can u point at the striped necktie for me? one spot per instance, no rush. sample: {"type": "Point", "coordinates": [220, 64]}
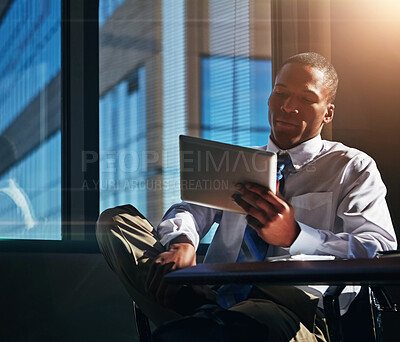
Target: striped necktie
{"type": "Point", "coordinates": [283, 161]}
{"type": "Point", "coordinates": [253, 248]}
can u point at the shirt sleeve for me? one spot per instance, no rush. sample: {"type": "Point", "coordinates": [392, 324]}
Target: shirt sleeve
{"type": "Point", "coordinates": [362, 224]}
{"type": "Point", "coordinates": [191, 220]}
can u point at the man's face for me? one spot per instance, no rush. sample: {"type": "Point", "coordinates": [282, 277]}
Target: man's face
{"type": "Point", "coordinates": [299, 105]}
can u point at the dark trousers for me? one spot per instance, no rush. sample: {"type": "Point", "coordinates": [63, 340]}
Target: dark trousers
{"type": "Point", "coordinates": [129, 243]}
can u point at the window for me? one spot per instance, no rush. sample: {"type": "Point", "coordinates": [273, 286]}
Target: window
{"type": "Point", "coordinates": [176, 67]}
{"type": "Point", "coordinates": [234, 103]}
{"type": "Point", "coordinates": [123, 142]}
{"type": "Point", "coordinates": [234, 100]}
{"type": "Point", "coordinates": [30, 120]}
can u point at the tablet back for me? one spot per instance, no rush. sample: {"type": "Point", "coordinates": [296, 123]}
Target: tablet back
{"type": "Point", "coordinates": [209, 171]}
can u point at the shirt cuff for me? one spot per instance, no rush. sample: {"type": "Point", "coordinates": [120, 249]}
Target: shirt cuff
{"type": "Point", "coordinates": [172, 228]}
{"type": "Point", "coordinates": [166, 239]}
{"type": "Point", "coordinates": [307, 242]}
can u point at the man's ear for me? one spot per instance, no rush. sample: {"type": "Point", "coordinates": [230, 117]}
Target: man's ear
{"type": "Point", "coordinates": [328, 117]}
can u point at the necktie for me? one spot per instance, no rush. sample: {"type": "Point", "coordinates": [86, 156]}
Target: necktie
{"type": "Point", "coordinates": [283, 161]}
{"type": "Point", "coordinates": [253, 248]}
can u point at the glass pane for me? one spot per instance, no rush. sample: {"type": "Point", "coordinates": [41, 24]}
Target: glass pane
{"type": "Point", "coordinates": [30, 117]}
{"type": "Point", "coordinates": [176, 67]}
{"type": "Point", "coordinates": [122, 142]}
{"type": "Point", "coordinates": [234, 100]}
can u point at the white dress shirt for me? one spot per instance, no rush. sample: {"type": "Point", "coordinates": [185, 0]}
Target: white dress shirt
{"type": "Point", "coordinates": [339, 201]}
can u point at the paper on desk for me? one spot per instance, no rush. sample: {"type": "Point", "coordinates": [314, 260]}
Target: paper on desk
{"type": "Point", "coordinates": [312, 257]}
{"type": "Point", "coordinates": [301, 257]}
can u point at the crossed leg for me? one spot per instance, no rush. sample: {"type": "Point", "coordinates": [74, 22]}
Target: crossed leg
{"type": "Point", "coordinates": [130, 243]}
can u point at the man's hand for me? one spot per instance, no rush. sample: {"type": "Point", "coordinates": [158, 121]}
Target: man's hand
{"type": "Point", "coordinates": [269, 214]}
{"type": "Point", "coordinates": [181, 254]}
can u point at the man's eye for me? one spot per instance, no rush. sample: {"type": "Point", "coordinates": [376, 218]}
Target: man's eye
{"type": "Point", "coordinates": [305, 99]}
{"type": "Point", "coordinates": [280, 93]}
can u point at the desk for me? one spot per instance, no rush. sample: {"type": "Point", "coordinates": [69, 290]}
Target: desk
{"type": "Point", "coordinates": [382, 271]}
{"type": "Point", "coordinates": [333, 272]}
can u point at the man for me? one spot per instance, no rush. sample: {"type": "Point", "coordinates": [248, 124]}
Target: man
{"type": "Point", "coordinates": [333, 204]}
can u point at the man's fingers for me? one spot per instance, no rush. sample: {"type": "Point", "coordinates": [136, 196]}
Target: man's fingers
{"type": "Point", "coordinates": [258, 194]}
{"type": "Point", "coordinates": [275, 200]}
{"type": "Point", "coordinates": [257, 188]}
{"type": "Point", "coordinates": [238, 199]}
{"type": "Point", "coordinates": [260, 211]}
{"type": "Point", "coordinates": [253, 223]}
{"type": "Point", "coordinates": [258, 208]}
{"type": "Point", "coordinates": [262, 190]}
{"type": "Point", "coordinates": [251, 195]}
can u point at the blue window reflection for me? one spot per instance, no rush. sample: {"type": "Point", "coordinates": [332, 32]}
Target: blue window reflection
{"type": "Point", "coordinates": [30, 116]}
{"type": "Point", "coordinates": [234, 109]}
{"type": "Point", "coordinates": [234, 98]}
{"type": "Point", "coordinates": [123, 170]}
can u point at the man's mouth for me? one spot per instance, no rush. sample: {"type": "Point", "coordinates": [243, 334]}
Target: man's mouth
{"type": "Point", "coordinates": [285, 123]}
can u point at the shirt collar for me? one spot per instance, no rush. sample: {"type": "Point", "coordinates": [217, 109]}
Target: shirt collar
{"type": "Point", "coordinates": [300, 154]}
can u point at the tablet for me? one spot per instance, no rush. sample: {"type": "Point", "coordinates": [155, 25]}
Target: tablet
{"type": "Point", "coordinates": [209, 171]}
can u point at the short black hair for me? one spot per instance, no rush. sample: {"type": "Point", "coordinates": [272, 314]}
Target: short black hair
{"type": "Point", "coordinates": [319, 62]}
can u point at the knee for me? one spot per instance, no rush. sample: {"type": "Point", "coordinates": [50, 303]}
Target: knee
{"type": "Point", "coordinates": [106, 221]}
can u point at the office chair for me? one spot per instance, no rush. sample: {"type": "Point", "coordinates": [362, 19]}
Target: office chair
{"type": "Point", "coordinates": [363, 320]}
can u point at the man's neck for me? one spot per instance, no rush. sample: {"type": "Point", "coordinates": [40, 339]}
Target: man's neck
{"type": "Point", "coordinates": [288, 147]}
{"type": "Point", "coordinates": [301, 153]}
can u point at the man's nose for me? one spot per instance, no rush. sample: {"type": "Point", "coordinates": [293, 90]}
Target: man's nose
{"type": "Point", "coordinates": [290, 106]}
